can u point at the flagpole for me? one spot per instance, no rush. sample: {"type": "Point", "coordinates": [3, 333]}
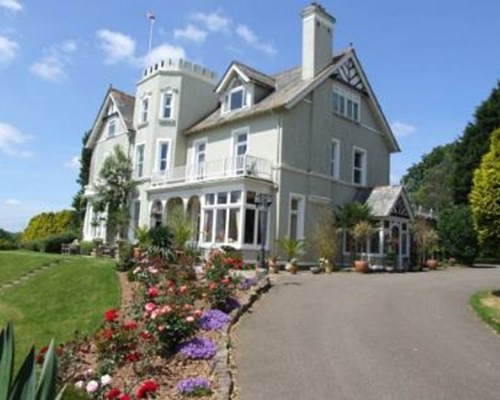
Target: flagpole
{"type": "Point", "coordinates": [150, 44]}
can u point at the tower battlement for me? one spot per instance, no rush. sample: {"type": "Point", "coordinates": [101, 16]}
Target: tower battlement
{"type": "Point", "coordinates": [181, 65]}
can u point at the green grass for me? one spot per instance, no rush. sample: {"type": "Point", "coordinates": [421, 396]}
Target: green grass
{"type": "Point", "coordinates": [490, 314]}
{"type": "Point", "coordinates": [70, 296]}
{"type": "Point", "coordinates": [14, 264]}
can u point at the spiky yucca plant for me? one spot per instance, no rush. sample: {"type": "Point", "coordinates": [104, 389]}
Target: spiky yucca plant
{"type": "Point", "coordinates": [24, 386]}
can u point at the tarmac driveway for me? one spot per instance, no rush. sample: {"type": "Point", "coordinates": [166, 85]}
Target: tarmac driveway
{"type": "Point", "coordinates": [379, 336]}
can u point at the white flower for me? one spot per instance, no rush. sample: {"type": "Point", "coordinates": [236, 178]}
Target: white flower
{"type": "Point", "coordinates": [79, 384]}
{"type": "Point", "coordinates": [92, 387]}
{"type": "Point", "coordinates": [106, 380]}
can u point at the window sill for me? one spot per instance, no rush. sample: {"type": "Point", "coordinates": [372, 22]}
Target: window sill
{"type": "Point", "coordinates": [345, 117]}
{"type": "Point", "coordinates": [167, 121]}
{"type": "Point", "coordinates": [142, 125]}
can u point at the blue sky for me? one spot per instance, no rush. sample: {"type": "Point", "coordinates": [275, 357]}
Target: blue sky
{"type": "Point", "coordinates": [430, 64]}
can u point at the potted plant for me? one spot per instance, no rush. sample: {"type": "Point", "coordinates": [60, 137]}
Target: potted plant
{"type": "Point", "coordinates": [143, 240]}
{"type": "Point", "coordinates": [361, 232]}
{"type": "Point", "coordinates": [326, 240]}
{"type": "Point", "coordinates": [430, 245]}
{"type": "Point", "coordinates": [272, 263]}
{"type": "Point", "coordinates": [293, 248]}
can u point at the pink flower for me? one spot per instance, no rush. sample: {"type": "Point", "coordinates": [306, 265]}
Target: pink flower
{"type": "Point", "coordinates": [92, 387]}
{"type": "Point", "coordinates": [190, 319]}
{"type": "Point", "coordinates": [153, 270]}
{"type": "Point", "coordinates": [198, 313]}
{"type": "Point", "coordinates": [183, 289]}
{"type": "Point", "coordinates": [153, 292]}
{"type": "Point", "coordinates": [166, 309]}
{"type": "Point", "coordinates": [149, 307]}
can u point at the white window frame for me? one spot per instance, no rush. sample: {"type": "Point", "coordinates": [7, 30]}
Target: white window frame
{"type": "Point", "coordinates": [158, 160]}
{"type": "Point", "coordinates": [144, 113]}
{"type": "Point", "coordinates": [300, 214]}
{"type": "Point", "coordinates": [136, 170]}
{"type": "Point", "coordinates": [112, 121]}
{"type": "Point", "coordinates": [227, 98]}
{"type": "Point", "coordinates": [164, 95]}
{"type": "Point", "coordinates": [235, 133]}
{"type": "Point", "coordinates": [335, 160]}
{"type": "Point", "coordinates": [347, 96]}
{"type": "Point", "coordinates": [364, 167]}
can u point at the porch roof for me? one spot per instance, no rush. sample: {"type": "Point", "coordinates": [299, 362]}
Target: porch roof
{"type": "Point", "coordinates": [383, 200]}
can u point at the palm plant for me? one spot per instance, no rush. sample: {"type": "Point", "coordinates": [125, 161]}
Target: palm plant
{"type": "Point", "coordinates": [293, 248]}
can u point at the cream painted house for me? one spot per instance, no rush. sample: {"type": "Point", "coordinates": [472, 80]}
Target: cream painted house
{"type": "Point", "coordinates": [311, 137]}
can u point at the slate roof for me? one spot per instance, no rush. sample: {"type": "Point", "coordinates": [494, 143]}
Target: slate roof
{"type": "Point", "coordinates": [125, 104]}
{"type": "Point", "coordinates": [382, 199]}
{"type": "Point", "coordinates": [288, 85]}
{"type": "Point", "coordinates": [254, 75]}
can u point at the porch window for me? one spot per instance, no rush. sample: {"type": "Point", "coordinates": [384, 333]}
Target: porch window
{"type": "Point", "coordinates": [220, 226]}
{"type": "Point", "coordinates": [209, 221]}
{"type": "Point", "coordinates": [375, 243]}
{"type": "Point", "coordinates": [234, 218]}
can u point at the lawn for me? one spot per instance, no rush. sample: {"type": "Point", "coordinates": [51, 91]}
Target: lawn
{"type": "Point", "coordinates": [71, 296]}
{"type": "Point", "coordinates": [14, 264]}
{"type": "Point", "coordinates": [487, 306]}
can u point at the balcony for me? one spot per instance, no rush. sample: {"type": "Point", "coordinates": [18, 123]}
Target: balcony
{"type": "Point", "coordinates": [232, 167]}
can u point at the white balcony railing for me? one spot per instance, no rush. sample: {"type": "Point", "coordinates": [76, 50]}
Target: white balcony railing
{"type": "Point", "coordinates": [216, 169]}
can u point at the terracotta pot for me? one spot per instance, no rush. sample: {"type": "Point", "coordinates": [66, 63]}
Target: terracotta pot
{"type": "Point", "coordinates": [292, 268]}
{"type": "Point", "coordinates": [137, 252]}
{"type": "Point", "coordinates": [432, 264]}
{"type": "Point", "coordinates": [361, 266]}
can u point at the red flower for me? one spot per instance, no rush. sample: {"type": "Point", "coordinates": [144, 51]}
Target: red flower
{"type": "Point", "coordinates": [124, 397]}
{"type": "Point", "coordinates": [130, 326]}
{"type": "Point", "coordinates": [107, 334]}
{"type": "Point", "coordinates": [212, 286]}
{"type": "Point", "coordinates": [226, 280]}
{"type": "Point", "coordinates": [111, 315]}
{"type": "Point", "coordinates": [146, 388]}
{"type": "Point", "coordinates": [133, 357]}
{"type": "Point", "coordinates": [153, 292]}
{"type": "Point", "coordinates": [146, 335]}
{"type": "Point", "coordinates": [114, 393]}
{"type": "Point", "coordinates": [41, 355]}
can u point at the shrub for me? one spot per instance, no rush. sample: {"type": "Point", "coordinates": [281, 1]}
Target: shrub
{"type": "Point", "coordinates": [456, 231]}
{"type": "Point", "coordinates": [220, 284]}
{"type": "Point", "coordinates": [7, 245]}
{"type": "Point", "coordinates": [86, 247]}
{"type": "Point", "coordinates": [48, 224]}
{"type": "Point", "coordinates": [161, 237]}
{"type": "Point", "coordinates": [53, 243]}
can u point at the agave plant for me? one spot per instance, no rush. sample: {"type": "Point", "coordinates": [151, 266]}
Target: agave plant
{"type": "Point", "coordinates": [24, 386]}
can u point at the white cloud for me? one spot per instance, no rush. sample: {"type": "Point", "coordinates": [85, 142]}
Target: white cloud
{"type": "Point", "coordinates": [253, 40]}
{"type": "Point", "coordinates": [402, 129]}
{"type": "Point", "coordinates": [11, 5]}
{"type": "Point", "coordinates": [11, 141]}
{"type": "Point", "coordinates": [8, 49]}
{"type": "Point", "coordinates": [51, 66]}
{"type": "Point", "coordinates": [73, 163]}
{"type": "Point", "coordinates": [191, 32]}
{"type": "Point", "coordinates": [116, 46]}
{"type": "Point", "coordinates": [162, 52]}
{"type": "Point", "coordinates": [214, 22]}
{"type": "Point", "coordinates": [12, 202]}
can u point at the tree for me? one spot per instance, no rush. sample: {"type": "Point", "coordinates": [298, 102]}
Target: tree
{"type": "Point", "coordinates": [79, 201]}
{"type": "Point", "coordinates": [114, 189]}
{"type": "Point", "coordinates": [456, 231]}
{"type": "Point", "coordinates": [485, 197]}
{"type": "Point", "coordinates": [429, 183]}
{"type": "Point", "coordinates": [473, 144]}
{"type": "Point", "coordinates": [49, 223]}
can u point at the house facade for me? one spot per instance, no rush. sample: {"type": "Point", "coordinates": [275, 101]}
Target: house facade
{"type": "Point", "coordinates": [311, 137]}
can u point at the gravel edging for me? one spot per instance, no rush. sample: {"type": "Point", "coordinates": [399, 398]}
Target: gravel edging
{"type": "Point", "coordinates": [221, 367]}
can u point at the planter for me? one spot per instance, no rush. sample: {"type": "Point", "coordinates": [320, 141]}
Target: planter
{"type": "Point", "coordinates": [432, 264]}
{"type": "Point", "coordinates": [273, 267]}
{"type": "Point", "coordinates": [329, 269]}
{"type": "Point", "coordinates": [361, 266]}
{"type": "Point", "coordinates": [292, 268]}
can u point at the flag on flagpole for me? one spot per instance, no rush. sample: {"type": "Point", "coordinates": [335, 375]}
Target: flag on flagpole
{"type": "Point", "coordinates": [150, 16]}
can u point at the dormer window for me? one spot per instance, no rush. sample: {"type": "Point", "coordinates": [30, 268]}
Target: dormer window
{"type": "Point", "coordinates": [236, 96]}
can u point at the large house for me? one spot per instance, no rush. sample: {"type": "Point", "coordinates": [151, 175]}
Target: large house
{"type": "Point", "coordinates": [310, 137]}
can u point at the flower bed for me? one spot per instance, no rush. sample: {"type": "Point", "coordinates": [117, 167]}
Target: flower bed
{"type": "Point", "coordinates": [162, 343]}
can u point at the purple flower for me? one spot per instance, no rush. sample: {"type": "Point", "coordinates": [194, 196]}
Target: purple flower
{"type": "Point", "coordinates": [212, 320]}
{"type": "Point", "coordinates": [232, 304]}
{"type": "Point", "coordinates": [194, 386]}
{"type": "Point", "coordinates": [248, 283]}
{"type": "Point", "coordinates": [198, 348]}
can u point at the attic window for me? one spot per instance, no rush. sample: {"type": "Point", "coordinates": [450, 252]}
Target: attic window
{"type": "Point", "coordinates": [111, 127]}
{"type": "Point", "coordinates": [346, 104]}
{"type": "Point", "coordinates": [236, 96]}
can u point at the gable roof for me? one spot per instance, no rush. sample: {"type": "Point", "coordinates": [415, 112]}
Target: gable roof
{"type": "Point", "coordinates": [124, 103]}
{"type": "Point", "coordinates": [248, 74]}
{"type": "Point", "coordinates": [290, 89]}
{"type": "Point", "coordinates": [383, 200]}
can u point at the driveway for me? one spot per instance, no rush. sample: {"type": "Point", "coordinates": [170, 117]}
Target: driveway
{"type": "Point", "coordinates": [379, 336]}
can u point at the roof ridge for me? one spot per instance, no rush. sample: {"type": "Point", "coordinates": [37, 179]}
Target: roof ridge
{"type": "Point", "coordinates": [113, 89]}
{"type": "Point", "coordinates": [252, 69]}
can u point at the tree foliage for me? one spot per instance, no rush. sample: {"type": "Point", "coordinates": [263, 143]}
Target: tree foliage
{"type": "Point", "coordinates": [485, 197]}
{"type": "Point", "coordinates": [79, 201]}
{"type": "Point", "coordinates": [50, 223]}
{"type": "Point", "coordinates": [114, 190]}
{"type": "Point", "coordinates": [456, 231]}
{"type": "Point", "coordinates": [429, 183]}
{"type": "Point", "coordinates": [473, 144]}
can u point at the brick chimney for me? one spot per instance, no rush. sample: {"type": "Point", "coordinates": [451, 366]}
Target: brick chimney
{"type": "Point", "coordinates": [317, 40]}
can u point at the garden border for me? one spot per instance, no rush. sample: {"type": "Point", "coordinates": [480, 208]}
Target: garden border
{"type": "Point", "coordinates": [221, 364]}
